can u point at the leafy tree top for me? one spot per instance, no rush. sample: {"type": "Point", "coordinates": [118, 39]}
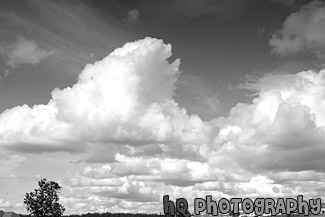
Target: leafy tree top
{"type": "Point", "coordinates": [44, 201]}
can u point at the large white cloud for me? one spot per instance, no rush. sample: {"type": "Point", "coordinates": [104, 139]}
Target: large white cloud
{"type": "Point", "coordinates": [283, 128]}
{"type": "Point", "coordinates": [303, 31]}
{"type": "Point", "coordinates": [126, 98]}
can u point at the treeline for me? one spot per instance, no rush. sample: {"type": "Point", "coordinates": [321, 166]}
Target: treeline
{"type": "Point", "coordinates": [107, 214]}
{"type": "Point", "coordinates": [116, 215]}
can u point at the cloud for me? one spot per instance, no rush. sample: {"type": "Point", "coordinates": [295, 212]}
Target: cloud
{"type": "Point", "coordinates": [283, 128]}
{"type": "Point", "coordinates": [22, 51]}
{"type": "Point", "coordinates": [261, 186]}
{"type": "Point", "coordinates": [302, 32]}
{"type": "Point", "coordinates": [5, 204]}
{"type": "Point", "coordinates": [296, 176]}
{"type": "Point", "coordinates": [133, 17]}
{"type": "Point", "coordinates": [124, 99]}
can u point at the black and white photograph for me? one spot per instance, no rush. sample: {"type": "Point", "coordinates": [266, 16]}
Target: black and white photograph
{"type": "Point", "coordinates": [128, 108]}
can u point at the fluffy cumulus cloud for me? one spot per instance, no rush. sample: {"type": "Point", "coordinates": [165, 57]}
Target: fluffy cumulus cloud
{"type": "Point", "coordinates": [283, 128]}
{"type": "Point", "coordinates": [126, 98]}
{"type": "Point", "coordinates": [140, 144]}
{"type": "Point", "coordinates": [303, 31]}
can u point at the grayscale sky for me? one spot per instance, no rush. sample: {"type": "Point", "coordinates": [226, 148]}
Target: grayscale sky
{"type": "Point", "coordinates": [122, 102]}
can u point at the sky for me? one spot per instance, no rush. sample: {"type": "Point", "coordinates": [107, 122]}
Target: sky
{"type": "Point", "coordinates": [123, 102]}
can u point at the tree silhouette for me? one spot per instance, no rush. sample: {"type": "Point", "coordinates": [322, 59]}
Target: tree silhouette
{"type": "Point", "coordinates": [44, 201]}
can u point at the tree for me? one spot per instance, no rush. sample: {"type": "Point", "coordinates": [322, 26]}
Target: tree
{"type": "Point", "coordinates": [44, 201]}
